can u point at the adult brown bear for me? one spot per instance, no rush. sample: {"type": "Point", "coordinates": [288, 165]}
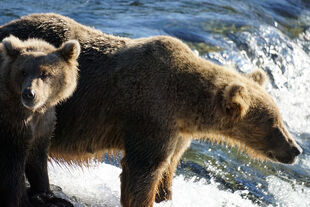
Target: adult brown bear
{"type": "Point", "coordinates": [149, 97]}
{"type": "Point", "coordinates": [34, 77]}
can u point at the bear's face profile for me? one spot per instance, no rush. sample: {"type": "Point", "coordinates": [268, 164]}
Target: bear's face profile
{"type": "Point", "coordinates": [37, 72]}
{"type": "Point", "coordinates": [256, 121]}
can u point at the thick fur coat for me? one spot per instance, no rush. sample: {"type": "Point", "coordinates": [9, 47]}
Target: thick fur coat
{"type": "Point", "coordinates": [150, 97]}
{"type": "Point", "coordinates": [34, 77]}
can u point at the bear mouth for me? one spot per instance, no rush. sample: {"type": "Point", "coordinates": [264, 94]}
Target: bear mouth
{"type": "Point", "coordinates": [284, 158]}
{"type": "Point", "coordinates": [28, 104]}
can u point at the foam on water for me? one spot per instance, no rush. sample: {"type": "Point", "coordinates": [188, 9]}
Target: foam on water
{"type": "Point", "coordinates": [99, 185]}
{"type": "Point", "coordinates": [288, 194]}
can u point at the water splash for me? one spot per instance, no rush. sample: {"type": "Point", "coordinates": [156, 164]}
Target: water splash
{"type": "Point", "coordinates": [289, 194]}
{"type": "Point", "coordinates": [99, 185]}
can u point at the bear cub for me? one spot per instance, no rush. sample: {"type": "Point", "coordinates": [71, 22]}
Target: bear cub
{"type": "Point", "coordinates": [34, 77]}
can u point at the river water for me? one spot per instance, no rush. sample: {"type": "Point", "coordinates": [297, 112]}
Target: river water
{"type": "Point", "coordinates": [271, 34]}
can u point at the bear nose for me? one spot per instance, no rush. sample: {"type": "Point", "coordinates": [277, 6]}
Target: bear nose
{"type": "Point", "coordinates": [28, 94]}
{"type": "Point", "coordinates": [296, 150]}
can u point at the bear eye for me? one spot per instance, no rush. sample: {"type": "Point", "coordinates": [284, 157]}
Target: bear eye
{"type": "Point", "coordinates": [44, 75]}
{"type": "Point", "coordinates": [271, 121]}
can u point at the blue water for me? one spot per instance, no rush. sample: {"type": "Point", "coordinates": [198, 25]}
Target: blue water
{"type": "Point", "coordinates": [271, 34]}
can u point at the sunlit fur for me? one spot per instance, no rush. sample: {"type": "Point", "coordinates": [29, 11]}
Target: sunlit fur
{"type": "Point", "coordinates": [149, 98]}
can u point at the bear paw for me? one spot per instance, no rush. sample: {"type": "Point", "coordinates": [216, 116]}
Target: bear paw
{"type": "Point", "coordinates": [163, 195]}
{"type": "Point", "coordinates": [49, 200]}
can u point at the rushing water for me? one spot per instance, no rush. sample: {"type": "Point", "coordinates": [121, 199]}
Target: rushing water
{"type": "Point", "coordinates": [271, 34]}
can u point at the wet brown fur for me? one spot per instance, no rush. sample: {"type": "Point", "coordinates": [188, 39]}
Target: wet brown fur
{"type": "Point", "coordinates": [150, 97]}
{"type": "Point", "coordinates": [25, 129]}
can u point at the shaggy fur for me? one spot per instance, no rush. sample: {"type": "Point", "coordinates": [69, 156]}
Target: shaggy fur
{"type": "Point", "coordinates": [150, 97]}
{"type": "Point", "coordinates": [26, 124]}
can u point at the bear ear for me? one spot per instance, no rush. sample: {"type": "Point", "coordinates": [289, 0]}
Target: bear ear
{"type": "Point", "coordinates": [11, 47]}
{"type": "Point", "coordinates": [236, 101]}
{"type": "Point", "coordinates": [70, 50]}
{"type": "Point", "coordinates": [258, 76]}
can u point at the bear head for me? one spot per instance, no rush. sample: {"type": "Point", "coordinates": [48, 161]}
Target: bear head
{"type": "Point", "coordinates": [254, 120]}
{"type": "Point", "coordinates": [37, 73]}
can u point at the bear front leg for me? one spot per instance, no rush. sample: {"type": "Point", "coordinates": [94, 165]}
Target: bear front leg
{"type": "Point", "coordinates": [143, 164]}
{"type": "Point", "coordinates": [139, 183]}
{"type": "Point", "coordinates": [12, 183]}
{"type": "Point", "coordinates": [36, 168]}
{"type": "Point", "coordinates": [164, 191]}
{"type": "Point", "coordinates": [37, 174]}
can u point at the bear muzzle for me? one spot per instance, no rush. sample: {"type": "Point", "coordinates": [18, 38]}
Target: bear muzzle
{"type": "Point", "coordinates": [28, 98]}
{"type": "Point", "coordinates": [286, 156]}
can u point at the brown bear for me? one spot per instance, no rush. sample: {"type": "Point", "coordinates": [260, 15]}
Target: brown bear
{"type": "Point", "coordinates": [34, 77]}
{"type": "Point", "coordinates": [150, 97]}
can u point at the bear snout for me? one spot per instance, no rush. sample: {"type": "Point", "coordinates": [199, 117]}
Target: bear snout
{"type": "Point", "coordinates": [287, 157]}
{"type": "Point", "coordinates": [28, 98]}
{"type": "Point", "coordinates": [296, 150]}
{"type": "Point", "coordinates": [28, 95]}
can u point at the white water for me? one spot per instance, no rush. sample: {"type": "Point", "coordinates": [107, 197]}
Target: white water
{"type": "Point", "coordinates": [99, 185]}
{"type": "Point", "coordinates": [288, 194]}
